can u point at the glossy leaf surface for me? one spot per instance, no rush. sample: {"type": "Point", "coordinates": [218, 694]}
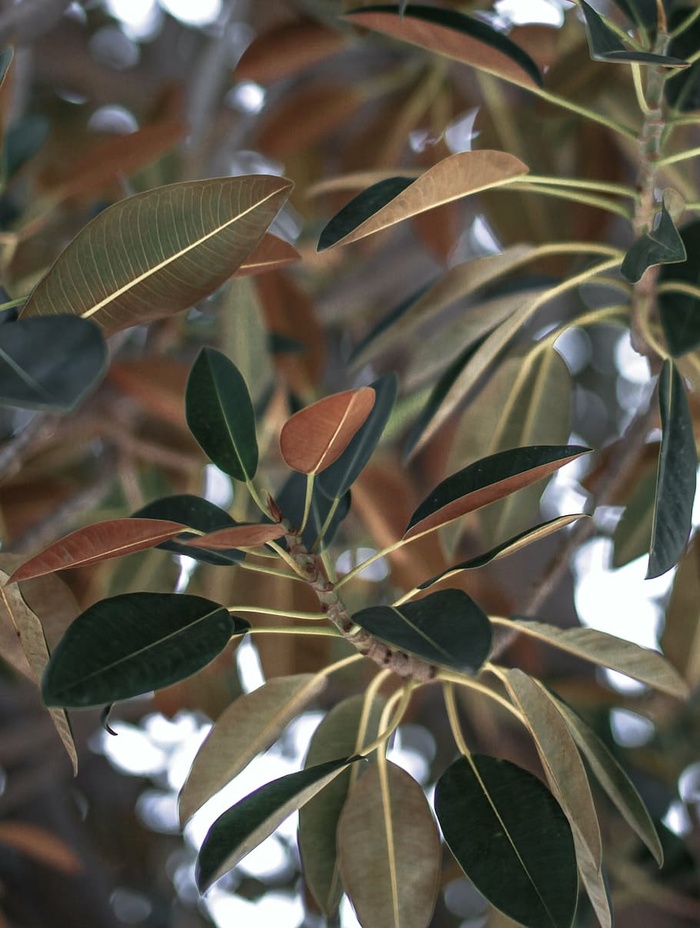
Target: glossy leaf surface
{"type": "Point", "coordinates": [159, 252]}
{"type": "Point", "coordinates": [517, 849]}
{"type": "Point", "coordinates": [446, 627]}
{"type": "Point", "coordinates": [606, 46]}
{"type": "Point", "coordinates": [343, 732]}
{"type": "Point", "coordinates": [194, 512]}
{"type": "Point", "coordinates": [675, 482]}
{"type": "Point", "coordinates": [340, 476]}
{"type": "Point", "coordinates": [240, 536]}
{"type": "Point", "coordinates": [662, 245]}
{"type": "Point", "coordinates": [680, 312]}
{"type": "Point", "coordinates": [487, 480]}
{"type": "Point", "coordinates": [389, 850]}
{"type": "Point", "coordinates": [239, 830]}
{"type": "Point", "coordinates": [609, 651]}
{"type": "Point", "coordinates": [220, 414]}
{"type": "Point", "coordinates": [130, 644]}
{"type": "Point", "coordinates": [50, 363]}
{"type": "Point", "coordinates": [395, 200]}
{"type": "Point", "coordinates": [454, 35]}
{"type": "Point", "coordinates": [97, 542]}
{"type": "Point", "coordinates": [315, 437]}
{"type": "Point", "coordinates": [248, 726]}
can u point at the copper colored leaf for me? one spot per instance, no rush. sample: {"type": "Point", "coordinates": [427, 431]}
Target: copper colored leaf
{"type": "Point", "coordinates": [271, 254]}
{"type": "Point", "coordinates": [98, 542]}
{"type": "Point", "coordinates": [286, 50]}
{"type": "Point", "coordinates": [239, 536]}
{"type": "Point", "coordinates": [159, 252]}
{"type": "Point", "coordinates": [454, 35]}
{"type": "Point", "coordinates": [394, 200]}
{"type": "Point", "coordinates": [487, 480]}
{"type": "Point", "coordinates": [307, 116]}
{"type": "Point", "coordinates": [41, 845]}
{"type": "Point", "coordinates": [315, 437]}
{"type": "Point", "coordinates": [389, 850]}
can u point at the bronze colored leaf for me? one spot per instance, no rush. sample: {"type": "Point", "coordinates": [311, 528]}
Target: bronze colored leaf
{"type": "Point", "coordinates": [239, 536]}
{"type": "Point", "coordinates": [286, 50]}
{"type": "Point", "coordinates": [41, 845]}
{"type": "Point", "coordinates": [271, 254]}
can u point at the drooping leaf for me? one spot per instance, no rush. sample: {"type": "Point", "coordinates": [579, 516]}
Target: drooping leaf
{"type": "Point", "coordinates": [159, 252]}
{"type": "Point", "coordinates": [395, 200]}
{"type": "Point", "coordinates": [98, 542]}
{"type": "Point", "coordinates": [612, 778]}
{"type": "Point", "coordinates": [446, 628]}
{"type": "Point", "coordinates": [528, 537]}
{"type": "Point", "coordinates": [681, 635]}
{"type": "Point", "coordinates": [286, 50]}
{"type": "Point", "coordinates": [244, 535]}
{"type": "Point", "coordinates": [632, 536]}
{"type": "Point", "coordinates": [50, 363]}
{"type": "Point", "coordinates": [247, 727]}
{"type": "Point", "coordinates": [517, 849]}
{"type": "Point", "coordinates": [341, 733]}
{"type": "Point", "coordinates": [196, 513]}
{"type": "Point", "coordinates": [489, 479]}
{"type": "Point", "coordinates": [240, 829]}
{"type": "Point", "coordinates": [661, 245]}
{"type": "Point", "coordinates": [244, 339]}
{"type": "Point", "coordinates": [680, 312]}
{"type": "Point", "coordinates": [291, 500]}
{"type": "Point", "coordinates": [220, 414]}
{"type": "Point", "coordinates": [675, 482]}
{"type": "Point", "coordinates": [270, 254]}
{"type": "Point", "coordinates": [340, 476]}
{"type": "Point", "coordinates": [560, 759]}
{"type": "Point", "coordinates": [389, 850]}
{"type": "Point", "coordinates": [607, 650]}
{"type": "Point", "coordinates": [130, 644]}
{"type": "Point", "coordinates": [315, 437]}
{"type": "Point", "coordinates": [447, 32]}
{"type": "Point", "coordinates": [30, 633]}
{"type": "Point", "coordinates": [606, 46]}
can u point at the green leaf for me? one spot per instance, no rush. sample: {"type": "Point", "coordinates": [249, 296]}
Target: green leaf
{"type": "Point", "coordinates": [199, 514]}
{"type": "Point", "coordinates": [560, 759]}
{"type": "Point", "coordinates": [159, 252]}
{"type": "Point", "coordinates": [643, 12]}
{"type": "Point", "coordinates": [680, 312]}
{"type": "Point", "coordinates": [290, 500]}
{"type": "Point", "coordinates": [662, 245]}
{"type": "Point", "coordinates": [446, 628]}
{"type": "Point", "coordinates": [528, 537]}
{"type": "Point", "coordinates": [220, 414]}
{"type": "Point", "coordinates": [487, 480]}
{"type": "Point", "coordinates": [131, 644]}
{"type": "Point", "coordinates": [340, 476]}
{"type": "Point", "coordinates": [680, 640]}
{"type": "Point", "coordinates": [389, 850]}
{"type": "Point", "coordinates": [632, 535]}
{"type": "Point", "coordinates": [394, 200]}
{"type": "Point", "coordinates": [447, 32]}
{"type": "Point", "coordinates": [612, 778]}
{"type": "Point", "coordinates": [606, 46]}
{"type": "Point", "coordinates": [517, 849]}
{"type": "Point", "coordinates": [242, 827]}
{"type": "Point", "coordinates": [50, 363]}
{"type": "Point", "coordinates": [675, 482]}
{"type": "Point", "coordinates": [607, 650]}
{"type": "Point", "coordinates": [341, 733]}
{"type": "Point", "coordinates": [248, 726]}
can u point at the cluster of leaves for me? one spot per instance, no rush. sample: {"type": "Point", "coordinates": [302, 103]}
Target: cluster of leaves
{"type": "Point", "coordinates": [367, 828]}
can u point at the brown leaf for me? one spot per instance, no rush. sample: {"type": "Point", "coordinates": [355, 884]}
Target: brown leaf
{"type": "Point", "coordinates": [158, 384]}
{"type": "Point", "coordinates": [271, 254]}
{"type": "Point", "coordinates": [98, 542]}
{"type": "Point", "coordinates": [286, 50]}
{"type": "Point", "coordinates": [41, 845]}
{"type": "Point", "coordinates": [239, 536]}
{"type": "Point", "coordinates": [313, 438]}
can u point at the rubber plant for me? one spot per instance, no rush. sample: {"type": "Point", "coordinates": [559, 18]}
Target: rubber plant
{"type": "Point", "coordinates": [366, 827]}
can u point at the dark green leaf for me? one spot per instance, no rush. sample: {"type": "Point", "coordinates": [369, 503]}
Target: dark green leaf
{"type": "Point", "coordinates": [50, 363]}
{"type": "Point", "coordinates": [134, 643]}
{"type": "Point", "coordinates": [360, 208]}
{"type": "Point", "coordinates": [680, 312]}
{"type": "Point", "coordinates": [675, 482]}
{"type": "Point", "coordinates": [463, 38]}
{"type": "Point", "coordinates": [683, 89]}
{"type": "Point", "coordinates": [446, 628]}
{"type": "Point", "coordinates": [220, 414]}
{"type": "Point", "coordinates": [662, 245]}
{"type": "Point", "coordinates": [511, 838]}
{"type": "Point", "coordinates": [340, 476]}
{"type": "Point", "coordinates": [23, 140]}
{"type": "Point", "coordinates": [643, 12]}
{"type": "Point", "coordinates": [199, 514]}
{"type": "Point", "coordinates": [291, 498]}
{"type": "Point", "coordinates": [242, 827]}
{"type": "Point", "coordinates": [438, 394]}
{"type": "Point", "coordinates": [338, 735]}
{"type": "Point", "coordinates": [489, 479]}
{"type": "Point", "coordinates": [606, 46]}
